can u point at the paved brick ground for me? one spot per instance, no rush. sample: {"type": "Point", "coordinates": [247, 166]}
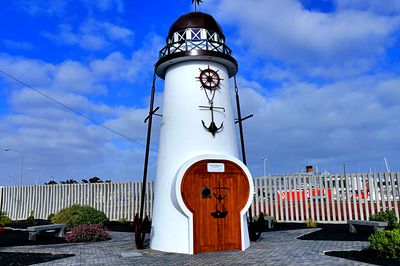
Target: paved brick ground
{"type": "Point", "coordinates": [275, 248]}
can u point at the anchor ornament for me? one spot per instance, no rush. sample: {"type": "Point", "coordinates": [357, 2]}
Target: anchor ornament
{"type": "Point", "coordinates": [210, 82]}
{"type": "Point", "coordinates": [212, 128]}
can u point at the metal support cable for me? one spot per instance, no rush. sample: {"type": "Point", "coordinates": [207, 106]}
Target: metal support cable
{"type": "Point", "coordinates": [239, 121]}
{"type": "Point", "coordinates": [72, 110]}
{"type": "Point", "coordinates": [149, 119]}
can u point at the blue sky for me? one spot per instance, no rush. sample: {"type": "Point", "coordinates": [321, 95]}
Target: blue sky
{"type": "Point", "coordinates": [321, 78]}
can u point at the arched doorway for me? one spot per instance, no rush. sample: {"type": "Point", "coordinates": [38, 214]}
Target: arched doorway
{"type": "Point", "coordinates": [215, 191]}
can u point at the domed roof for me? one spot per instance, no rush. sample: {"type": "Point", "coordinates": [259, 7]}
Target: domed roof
{"type": "Point", "coordinates": [196, 20]}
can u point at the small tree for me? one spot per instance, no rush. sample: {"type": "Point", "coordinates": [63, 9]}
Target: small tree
{"type": "Point", "coordinates": [69, 181]}
{"type": "Point", "coordinates": [95, 179]}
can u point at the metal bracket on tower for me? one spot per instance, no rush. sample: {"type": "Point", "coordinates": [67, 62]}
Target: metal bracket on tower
{"type": "Point", "coordinates": [153, 113]}
{"type": "Point", "coordinates": [237, 120]}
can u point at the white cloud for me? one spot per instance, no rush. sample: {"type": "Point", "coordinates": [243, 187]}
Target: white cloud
{"type": "Point", "coordinates": [69, 75]}
{"type": "Point", "coordinates": [117, 66]}
{"type": "Point", "coordinates": [58, 143]}
{"type": "Point", "coordinates": [91, 35]}
{"type": "Point", "coordinates": [73, 76]}
{"type": "Point", "coordinates": [62, 145]}
{"type": "Point", "coordinates": [28, 100]}
{"type": "Point", "coordinates": [34, 72]}
{"type": "Point", "coordinates": [283, 30]}
{"type": "Point", "coordinates": [104, 5]}
{"type": "Point", "coordinates": [19, 45]}
{"type": "Point", "coordinates": [353, 122]}
{"type": "Point", "coordinates": [115, 32]}
{"type": "Point", "coordinates": [389, 92]}
{"type": "Point", "coordinates": [387, 7]}
{"type": "Point", "coordinates": [352, 117]}
{"type": "Point", "coordinates": [48, 7]}
{"type": "Point", "coordinates": [277, 73]}
{"type": "Point", "coordinates": [60, 7]}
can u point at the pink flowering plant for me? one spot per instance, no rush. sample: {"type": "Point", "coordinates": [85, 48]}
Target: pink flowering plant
{"type": "Point", "coordinates": [87, 233]}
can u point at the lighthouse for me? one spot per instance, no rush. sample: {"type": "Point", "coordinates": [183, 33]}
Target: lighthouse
{"type": "Point", "coordinates": [202, 190]}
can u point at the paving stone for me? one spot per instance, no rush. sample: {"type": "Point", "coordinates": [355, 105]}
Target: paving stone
{"type": "Point", "coordinates": [130, 254]}
{"type": "Point", "coordinates": [274, 248]}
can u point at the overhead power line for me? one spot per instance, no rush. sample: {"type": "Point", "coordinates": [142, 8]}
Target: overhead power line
{"type": "Point", "coordinates": [71, 109]}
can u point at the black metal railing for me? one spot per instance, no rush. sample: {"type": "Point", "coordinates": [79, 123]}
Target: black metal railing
{"type": "Point", "coordinates": [194, 45]}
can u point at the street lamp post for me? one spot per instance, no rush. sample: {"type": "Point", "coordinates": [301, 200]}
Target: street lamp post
{"type": "Point", "coordinates": [20, 179]}
{"type": "Point", "coordinates": [22, 164]}
{"type": "Point", "coordinates": [265, 165]}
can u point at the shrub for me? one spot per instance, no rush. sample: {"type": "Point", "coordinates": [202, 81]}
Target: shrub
{"type": "Point", "coordinates": [123, 221]}
{"type": "Point", "coordinates": [4, 219]}
{"type": "Point", "coordinates": [31, 219]}
{"type": "Point", "coordinates": [311, 224]}
{"type": "Point", "coordinates": [386, 216]}
{"type": "Point", "coordinates": [51, 215]}
{"type": "Point", "coordinates": [87, 233]}
{"type": "Point", "coordinates": [386, 243]}
{"type": "Point", "coordinates": [77, 215]}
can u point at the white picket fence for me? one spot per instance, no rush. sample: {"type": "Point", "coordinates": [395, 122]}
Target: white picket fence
{"type": "Point", "coordinates": [294, 198]}
{"type": "Point", "coordinates": [116, 200]}
{"type": "Point", "coordinates": [326, 198]}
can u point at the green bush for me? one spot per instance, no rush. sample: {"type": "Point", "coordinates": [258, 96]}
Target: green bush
{"type": "Point", "coordinates": [4, 219]}
{"type": "Point", "coordinates": [311, 224]}
{"type": "Point", "coordinates": [77, 215]}
{"type": "Point", "coordinates": [123, 221]}
{"type": "Point", "coordinates": [386, 243]}
{"type": "Point", "coordinates": [386, 216]}
{"type": "Point", "coordinates": [51, 215]}
{"type": "Point", "coordinates": [31, 219]}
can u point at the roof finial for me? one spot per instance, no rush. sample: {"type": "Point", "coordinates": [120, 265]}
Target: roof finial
{"type": "Point", "coordinates": [196, 3]}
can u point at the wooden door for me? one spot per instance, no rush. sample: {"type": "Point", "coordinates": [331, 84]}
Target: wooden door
{"type": "Point", "coordinates": [215, 199]}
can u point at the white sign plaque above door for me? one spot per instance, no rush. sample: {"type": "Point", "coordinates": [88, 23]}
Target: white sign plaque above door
{"type": "Point", "coordinates": [215, 167]}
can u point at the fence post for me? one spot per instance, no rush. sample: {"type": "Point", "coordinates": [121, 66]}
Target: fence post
{"type": "Point", "coordinates": [395, 187]}
{"type": "Point", "coordinates": [364, 187]}
{"type": "Point", "coordinates": [275, 191]}
{"type": "Point", "coordinates": [339, 196]}
{"type": "Point", "coordinates": [382, 191]}
{"type": "Point", "coordinates": [1, 199]}
{"type": "Point", "coordinates": [359, 196]}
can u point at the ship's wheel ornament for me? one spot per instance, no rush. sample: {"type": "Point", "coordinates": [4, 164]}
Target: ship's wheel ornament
{"type": "Point", "coordinates": [209, 79]}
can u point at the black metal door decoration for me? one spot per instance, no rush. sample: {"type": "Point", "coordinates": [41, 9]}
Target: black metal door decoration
{"type": "Point", "coordinates": [220, 211]}
{"type": "Point", "coordinates": [210, 82]}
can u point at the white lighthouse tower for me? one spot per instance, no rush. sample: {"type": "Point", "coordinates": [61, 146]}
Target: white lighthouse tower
{"type": "Point", "coordinates": [202, 190]}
